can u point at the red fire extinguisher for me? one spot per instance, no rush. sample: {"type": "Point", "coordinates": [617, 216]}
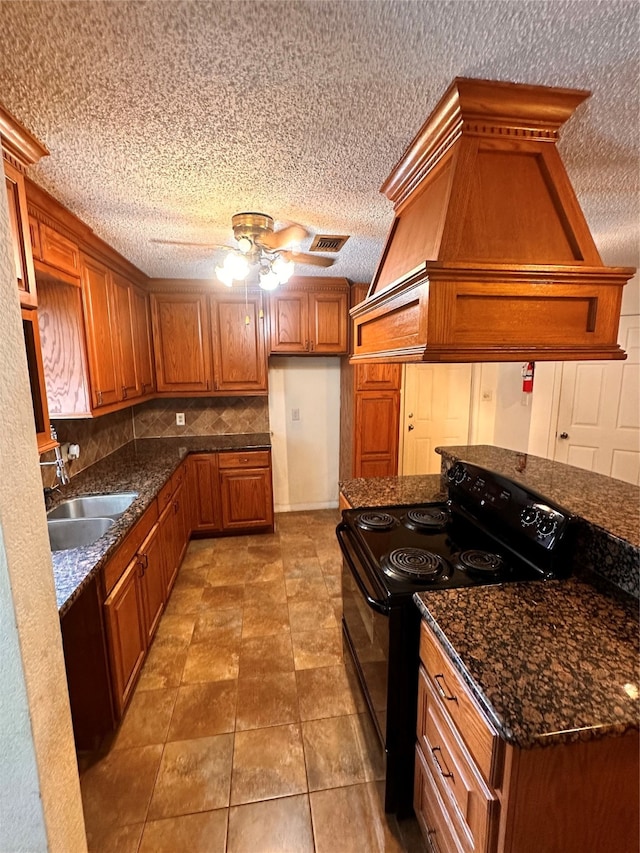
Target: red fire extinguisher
{"type": "Point", "coordinates": [527, 377]}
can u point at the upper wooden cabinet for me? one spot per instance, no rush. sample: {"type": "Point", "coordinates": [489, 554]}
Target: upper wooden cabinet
{"type": "Point", "coordinates": [182, 342]}
{"type": "Point", "coordinates": [143, 347]}
{"type": "Point", "coordinates": [101, 325]}
{"type": "Point", "coordinates": [53, 250]}
{"type": "Point", "coordinates": [239, 352]}
{"type": "Point", "coordinates": [308, 316]}
{"type": "Point", "coordinates": [126, 333]}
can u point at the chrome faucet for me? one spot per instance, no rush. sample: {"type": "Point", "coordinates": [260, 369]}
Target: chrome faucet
{"type": "Point", "coordinates": [61, 470]}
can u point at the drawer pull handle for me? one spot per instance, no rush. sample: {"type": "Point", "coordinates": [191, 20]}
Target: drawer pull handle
{"type": "Point", "coordinates": [441, 689]}
{"type": "Point", "coordinates": [432, 839]}
{"type": "Point", "coordinates": [448, 774]}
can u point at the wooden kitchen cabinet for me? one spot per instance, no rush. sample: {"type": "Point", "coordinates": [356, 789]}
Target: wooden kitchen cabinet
{"type": "Point", "coordinates": [19, 224]}
{"type": "Point", "coordinates": [143, 347]}
{"type": "Point", "coordinates": [125, 332]}
{"type": "Point", "coordinates": [474, 793]}
{"type": "Point", "coordinates": [126, 633]}
{"type": "Point", "coordinates": [100, 326]}
{"type": "Point", "coordinates": [310, 316]}
{"type": "Point", "coordinates": [53, 251]}
{"type": "Point", "coordinates": [33, 349]}
{"type": "Point", "coordinates": [245, 490]}
{"type": "Point", "coordinates": [182, 342]}
{"type": "Point", "coordinates": [375, 435]}
{"type": "Point", "coordinates": [205, 493]}
{"type": "Point", "coordinates": [239, 351]}
{"type": "Point", "coordinates": [151, 560]}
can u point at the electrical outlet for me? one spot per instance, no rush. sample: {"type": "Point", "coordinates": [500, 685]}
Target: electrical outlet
{"type": "Point", "coordinates": [295, 414]}
{"type": "Point", "coordinates": [179, 418]}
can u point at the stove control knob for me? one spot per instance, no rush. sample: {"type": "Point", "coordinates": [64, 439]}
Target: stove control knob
{"type": "Point", "coordinates": [528, 516]}
{"type": "Point", "coordinates": [457, 474]}
{"type": "Point", "coordinates": [547, 525]}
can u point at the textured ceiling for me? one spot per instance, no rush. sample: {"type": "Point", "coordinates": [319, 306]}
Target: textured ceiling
{"type": "Point", "coordinates": [165, 118]}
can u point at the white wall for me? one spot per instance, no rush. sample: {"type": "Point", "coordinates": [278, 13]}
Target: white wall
{"type": "Point", "coordinates": [305, 452]}
{"type": "Point", "coordinates": [40, 806]}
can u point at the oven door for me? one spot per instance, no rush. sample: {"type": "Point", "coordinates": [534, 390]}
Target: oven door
{"type": "Point", "coordinates": [365, 621]}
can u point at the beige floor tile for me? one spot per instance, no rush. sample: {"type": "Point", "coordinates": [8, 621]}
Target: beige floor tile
{"type": "Point", "coordinates": [259, 552]}
{"type": "Point", "coordinates": [268, 700]}
{"type": "Point", "coordinates": [191, 578]}
{"type": "Point", "coordinates": [176, 627]}
{"type": "Point", "coordinates": [202, 832]}
{"type": "Point", "coordinates": [217, 624]}
{"type": "Point", "coordinates": [231, 572]}
{"type": "Point", "coordinates": [264, 619]}
{"type": "Point", "coordinates": [115, 839]}
{"type": "Point", "coordinates": [212, 660]}
{"type": "Point", "coordinates": [203, 710]}
{"type": "Point", "coordinates": [264, 655]}
{"type": "Point", "coordinates": [147, 718]}
{"type": "Point", "coordinates": [309, 614]}
{"type": "Point", "coordinates": [336, 601]}
{"type": "Point", "coordinates": [273, 826]}
{"type": "Point", "coordinates": [222, 597]}
{"type": "Point", "coordinates": [355, 816]}
{"type": "Point", "coordinates": [301, 567]}
{"type": "Point", "coordinates": [184, 601]}
{"type": "Point", "coordinates": [164, 664]}
{"type": "Point", "coordinates": [333, 584]}
{"type": "Point", "coordinates": [325, 692]}
{"type": "Point", "coordinates": [334, 753]}
{"type": "Point", "coordinates": [116, 790]}
{"type": "Point", "coordinates": [267, 763]}
{"type": "Point", "coordinates": [201, 544]}
{"type": "Point", "coordinates": [195, 559]}
{"type": "Point", "coordinates": [317, 648]}
{"type": "Point", "coordinates": [273, 592]}
{"type": "Point", "coordinates": [259, 573]}
{"type": "Point", "coordinates": [306, 588]}
{"type": "Point", "coordinates": [296, 545]}
{"type": "Point", "coordinates": [194, 776]}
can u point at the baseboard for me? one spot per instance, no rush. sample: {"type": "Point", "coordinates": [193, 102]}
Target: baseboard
{"type": "Point", "coordinates": [302, 507]}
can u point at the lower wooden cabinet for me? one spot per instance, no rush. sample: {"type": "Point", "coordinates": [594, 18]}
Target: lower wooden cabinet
{"type": "Point", "coordinates": [205, 493]}
{"type": "Point", "coordinates": [247, 499]}
{"type": "Point", "coordinates": [151, 560]}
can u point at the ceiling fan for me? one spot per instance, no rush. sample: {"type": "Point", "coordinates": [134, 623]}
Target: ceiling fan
{"type": "Point", "coordinates": [258, 243]}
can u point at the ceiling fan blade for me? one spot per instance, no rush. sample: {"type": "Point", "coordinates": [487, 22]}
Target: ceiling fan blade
{"type": "Point", "coordinates": [274, 240]}
{"type": "Point", "coordinates": [184, 243]}
{"type": "Point", "coordinates": [304, 258]}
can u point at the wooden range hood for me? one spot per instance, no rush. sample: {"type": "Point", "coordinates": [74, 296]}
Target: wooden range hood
{"type": "Point", "coordinates": [489, 257]}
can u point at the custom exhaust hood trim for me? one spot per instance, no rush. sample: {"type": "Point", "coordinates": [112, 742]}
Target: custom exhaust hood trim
{"type": "Point", "coordinates": [489, 257]}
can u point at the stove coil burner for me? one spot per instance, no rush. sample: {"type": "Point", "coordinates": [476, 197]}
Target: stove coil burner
{"type": "Point", "coordinates": [482, 563]}
{"type": "Point", "coordinates": [426, 519]}
{"type": "Point", "coordinates": [415, 564]}
{"type": "Point", "coordinates": [376, 521]}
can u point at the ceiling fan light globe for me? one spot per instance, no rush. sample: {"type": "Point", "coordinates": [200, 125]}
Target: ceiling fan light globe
{"type": "Point", "coordinates": [236, 265]}
{"type": "Point", "coordinates": [224, 276]}
{"type": "Point", "coordinates": [283, 269]}
{"type": "Point", "coordinates": [245, 244]}
{"type": "Point", "coordinates": [268, 279]}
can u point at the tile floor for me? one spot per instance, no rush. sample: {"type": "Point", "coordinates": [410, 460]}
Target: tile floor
{"type": "Point", "coordinates": [243, 735]}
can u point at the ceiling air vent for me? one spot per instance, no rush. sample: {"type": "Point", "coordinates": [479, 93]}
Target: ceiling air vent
{"type": "Point", "coordinates": [328, 243]}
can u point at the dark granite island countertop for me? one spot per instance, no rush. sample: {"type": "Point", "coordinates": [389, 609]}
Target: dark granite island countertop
{"type": "Point", "coordinates": [549, 662]}
{"type": "Point", "coordinates": [390, 491]}
{"type": "Point", "coordinates": [141, 466]}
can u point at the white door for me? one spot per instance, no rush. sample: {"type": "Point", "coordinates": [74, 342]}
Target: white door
{"type": "Point", "coordinates": [436, 403]}
{"type": "Point", "coordinates": [599, 411]}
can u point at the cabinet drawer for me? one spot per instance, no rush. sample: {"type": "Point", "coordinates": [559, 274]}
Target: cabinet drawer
{"type": "Point", "coordinates": [431, 811]}
{"type": "Point", "coordinates": [121, 559]}
{"type": "Point", "coordinates": [248, 459]}
{"type": "Point", "coordinates": [164, 495]}
{"type": "Point", "coordinates": [481, 739]}
{"type": "Point", "coordinates": [472, 806]}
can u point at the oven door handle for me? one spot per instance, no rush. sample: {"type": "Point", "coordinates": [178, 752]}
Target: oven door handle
{"type": "Point", "coordinates": [374, 603]}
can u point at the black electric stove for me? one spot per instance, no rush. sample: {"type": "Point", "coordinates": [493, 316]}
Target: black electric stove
{"type": "Point", "coordinates": [491, 530]}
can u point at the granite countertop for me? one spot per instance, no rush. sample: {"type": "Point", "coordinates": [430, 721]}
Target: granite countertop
{"type": "Point", "coordinates": [612, 505]}
{"type": "Point", "coordinates": [549, 661]}
{"type": "Point", "coordinates": [389, 491]}
{"type": "Point", "coordinates": [141, 466]}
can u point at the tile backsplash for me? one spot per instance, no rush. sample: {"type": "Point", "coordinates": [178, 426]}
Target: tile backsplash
{"type": "Point", "coordinates": [203, 416]}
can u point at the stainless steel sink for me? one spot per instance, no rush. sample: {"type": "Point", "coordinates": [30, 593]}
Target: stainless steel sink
{"type": "Point", "coordinates": [94, 506]}
{"type": "Point", "coordinates": [76, 532]}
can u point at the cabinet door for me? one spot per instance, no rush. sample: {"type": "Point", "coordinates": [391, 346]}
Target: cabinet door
{"type": "Point", "coordinates": [58, 251]}
{"type": "Point", "coordinates": [181, 512]}
{"type": "Point", "coordinates": [328, 317]}
{"type": "Point", "coordinates": [167, 535]}
{"type": "Point", "coordinates": [124, 617]}
{"type": "Point", "coordinates": [376, 434]}
{"type": "Point", "coordinates": [36, 380]}
{"type": "Point", "coordinates": [239, 353]}
{"type": "Point", "coordinates": [19, 223]}
{"type": "Point", "coordinates": [247, 499]}
{"type": "Point", "coordinates": [151, 556]}
{"type": "Point", "coordinates": [181, 342]}
{"type": "Point", "coordinates": [378, 377]}
{"type": "Point", "coordinates": [101, 343]}
{"type": "Point", "coordinates": [206, 515]}
{"type": "Point", "coordinates": [143, 350]}
{"type": "Point", "coordinates": [124, 329]}
{"type": "Point", "coordinates": [289, 318]}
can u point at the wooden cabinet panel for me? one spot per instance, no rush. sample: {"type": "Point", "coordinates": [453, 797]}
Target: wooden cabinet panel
{"type": "Point", "coordinates": [100, 324]}
{"type": "Point", "coordinates": [143, 348]}
{"type": "Point", "coordinates": [181, 513]}
{"type": "Point", "coordinates": [33, 349]}
{"type": "Point", "coordinates": [244, 459]}
{"type": "Point", "coordinates": [181, 342]}
{"type": "Point", "coordinates": [205, 493]}
{"type": "Point", "coordinates": [125, 333]}
{"type": "Point", "coordinates": [289, 315]}
{"type": "Point", "coordinates": [247, 499]}
{"type": "Point", "coordinates": [124, 616]}
{"type": "Point", "coordinates": [328, 322]}
{"type": "Point", "coordinates": [378, 377]}
{"type": "Point", "coordinates": [376, 434]}
{"type": "Point", "coordinates": [19, 224]}
{"type": "Point", "coordinates": [151, 558]}
{"type": "Point", "coordinates": [239, 352]}
{"type": "Point", "coordinates": [57, 251]}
